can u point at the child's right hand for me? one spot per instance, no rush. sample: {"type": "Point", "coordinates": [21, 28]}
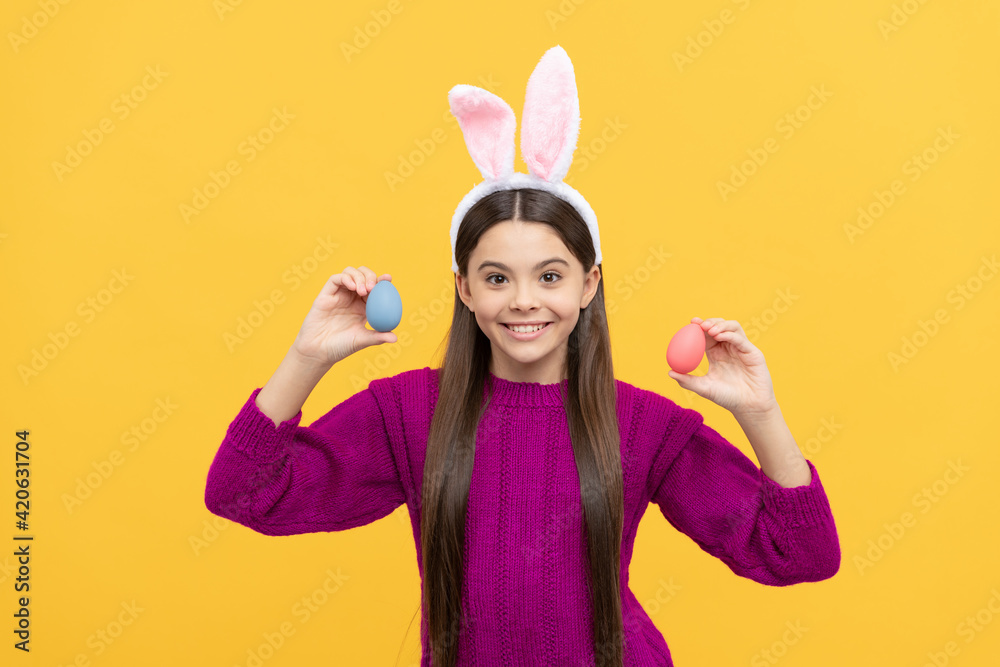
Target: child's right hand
{"type": "Point", "coordinates": [335, 327]}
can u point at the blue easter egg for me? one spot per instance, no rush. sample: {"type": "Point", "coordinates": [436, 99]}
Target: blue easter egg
{"type": "Point", "coordinates": [384, 309]}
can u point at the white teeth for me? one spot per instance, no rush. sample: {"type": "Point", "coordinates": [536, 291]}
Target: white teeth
{"type": "Point", "coordinates": [526, 329]}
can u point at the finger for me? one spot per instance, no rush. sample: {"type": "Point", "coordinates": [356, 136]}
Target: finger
{"type": "Point", "coordinates": [707, 325]}
{"type": "Point", "coordinates": [369, 277]}
{"type": "Point", "coordinates": [732, 326]}
{"type": "Point", "coordinates": [335, 282]}
{"type": "Point", "coordinates": [695, 383]}
{"type": "Point", "coordinates": [722, 325]}
{"type": "Point", "coordinates": [380, 337]}
{"type": "Point", "coordinates": [386, 276]}
{"type": "Point", "coordinates": [735, 338]}
{"type": "Point", "coordinates": [357, 280]}
{"type": "Point", "coordinates": [345, 278]}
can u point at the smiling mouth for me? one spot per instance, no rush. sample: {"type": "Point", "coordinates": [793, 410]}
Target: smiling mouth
{"type": "Point", "coordinates": [527, 335]}
{"type": "Point", "coordinates": [532, 331]}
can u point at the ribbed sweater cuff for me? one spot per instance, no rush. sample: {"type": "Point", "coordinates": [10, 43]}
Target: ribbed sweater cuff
{"type": "Point", "coordinates": [254, 433]}
{"type": "Point", "coordinates": [801, 506]}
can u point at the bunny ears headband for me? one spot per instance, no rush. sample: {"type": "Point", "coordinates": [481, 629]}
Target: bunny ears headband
{"type": "Point", "coordinates": [550, 125]}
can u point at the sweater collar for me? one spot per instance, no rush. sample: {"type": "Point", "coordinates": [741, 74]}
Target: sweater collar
{"type": "Point", "coordinates": [508, 392]}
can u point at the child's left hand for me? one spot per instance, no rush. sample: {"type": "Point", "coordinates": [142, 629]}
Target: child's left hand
{"type": "Point", "coordinates": [737, 377]}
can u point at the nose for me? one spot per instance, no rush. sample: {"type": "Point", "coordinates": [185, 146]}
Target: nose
{"type": "Point", "coordinates": [525, 297]}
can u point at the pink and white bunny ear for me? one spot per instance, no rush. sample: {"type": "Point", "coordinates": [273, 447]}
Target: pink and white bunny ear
{"type": "Point", "coordinates": [550, 122]}
{"type": "Point", "coordinates": [488, 125]}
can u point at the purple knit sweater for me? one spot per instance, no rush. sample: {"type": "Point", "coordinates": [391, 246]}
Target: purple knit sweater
{"type": "Point", "coordinates": [525, 592]}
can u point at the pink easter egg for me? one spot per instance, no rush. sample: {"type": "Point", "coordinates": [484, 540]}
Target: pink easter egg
{"type": "Point", "coordinates": [686, 348]}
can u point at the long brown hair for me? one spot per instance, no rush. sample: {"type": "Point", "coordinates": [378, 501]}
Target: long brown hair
{"type": "Point", "coordinates": [593, 424]}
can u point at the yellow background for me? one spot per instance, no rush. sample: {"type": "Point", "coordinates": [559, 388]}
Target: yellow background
{"type": "Point", "coordinates": [658, 135]}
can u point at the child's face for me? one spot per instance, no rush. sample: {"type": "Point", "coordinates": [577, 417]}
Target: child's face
{"type": "Point", "coordinates": [525, 292]}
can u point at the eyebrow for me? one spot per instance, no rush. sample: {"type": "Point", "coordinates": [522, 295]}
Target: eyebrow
{"type": "Point", "coordinates": [504, 267]}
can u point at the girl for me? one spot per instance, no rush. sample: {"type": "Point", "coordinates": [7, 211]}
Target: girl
{"type": "Point", "coordinates": [525, 465]}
